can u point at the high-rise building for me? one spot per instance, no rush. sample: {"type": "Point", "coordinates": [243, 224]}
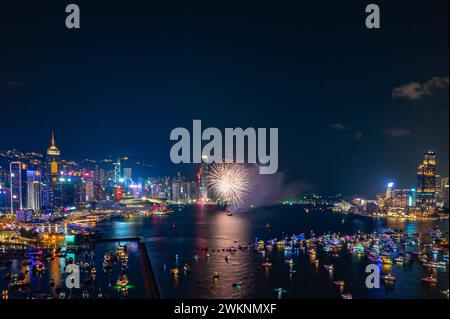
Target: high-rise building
{"type": "Point", "coordinates": [389, 191]}
{"type": "Point", "coordinates": [203, 180]}
{"type": "Point", "coordinates": [426, 184]}
{"type": "Point", "coordinates": [127, 174]}
{"type": "Point", "coordinates": [176, 192]}
{"type": "Point", "coordinates": [191, 190]}
{"type": "Point", "coordinates": [52, 197]}
{"type": "Point", "coordinates": [443, 194]}
{"type": "Point", "coordinates": [34, 190]}
{"type": "Point", "coordinates": [3, 190]}
{"type": "Point", "coordinates": [16, 186]}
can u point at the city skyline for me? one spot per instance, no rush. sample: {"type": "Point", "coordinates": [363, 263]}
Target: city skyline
{"type": "Point", "coordinates": [192, 174]}
{"type": "Point", "coordinates": [42, 183]}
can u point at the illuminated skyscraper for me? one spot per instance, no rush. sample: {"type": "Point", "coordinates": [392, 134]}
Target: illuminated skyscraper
{"type": "Point", "coordinates": [3, 190]}
{"type": "Point", "coordinates": [177, 192]}
{"type": "Point", "coordinates": [389, 191]}
{"type": "Point", "coordinates": [426, 184]}
{"type": "Point", "coordinates": [53, 154]}
{"type": "Point", "coordinates": [127, 174]}
{"type": "Point", "coordinates": [16, 187]}
{"type": "Point", "coordinates": [443, 195]}
{"type": "Point", "coordinates": [34, 190]}
{"type": "Point", "coordinates": [203, 180]}
{"type": "Point", "coordinates": [52, 198]}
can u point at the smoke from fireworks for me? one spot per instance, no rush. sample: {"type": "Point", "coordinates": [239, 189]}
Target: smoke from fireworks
{"type": "Point", "coordinates": [229, 182]}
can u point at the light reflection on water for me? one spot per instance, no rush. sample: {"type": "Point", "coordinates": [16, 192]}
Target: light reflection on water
{"type": "Point", "coordinates": [196, 227]}
{"type": "Point", "coordinates": [105, 282]}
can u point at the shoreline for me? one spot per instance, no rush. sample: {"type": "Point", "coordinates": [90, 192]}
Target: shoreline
{"type": "Point", "coordinates": [417, 219]}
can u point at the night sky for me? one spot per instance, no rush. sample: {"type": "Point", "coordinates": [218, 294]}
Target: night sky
{"type": "Point", "coordinates": [137, 69]}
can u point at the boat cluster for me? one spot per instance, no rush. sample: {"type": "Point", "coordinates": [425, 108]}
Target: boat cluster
{"type": "Point", "coordinates": [83, 258]}
{"type": "Point", "coordinates": [388, 249]}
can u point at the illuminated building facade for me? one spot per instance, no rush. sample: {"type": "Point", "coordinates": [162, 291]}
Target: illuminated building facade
{"type": "Point", "coordinates": [16, 186]}
{"type": "Point", "coordinates": [426, 184]}
{"type": "Point", "coordinates": [127, 174]}
{"type": "Point", "coordinates": [34, 190]}
{"type": "Point", "coordinates": [3, 190]}
{"type": "Point", "coordinates": [52, 196]}
{"type": "Point", "coordinates": [443, 192]}
{"type": "Point", "coordinates": [203, 180]}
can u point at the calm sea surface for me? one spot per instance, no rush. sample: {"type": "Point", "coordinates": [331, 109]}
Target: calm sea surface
{"type": "Point", "coordinates": [174, 240]}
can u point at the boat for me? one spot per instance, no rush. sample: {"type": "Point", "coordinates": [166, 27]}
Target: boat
{"type": "Point", "coordinates": [388, 277]}
{"type": "Point", "coordinates": [229, 214]}
{"type": "Point", "coordinates": [216, 275]}
{"type": "Point", "coordinates": [5, 294]}
{"type": "Point", "coordinates": [260, 244]}
{"type": "Point", "coordinates": [374, 258]}
{"type": "Point", "coordinates": [237, 284]}
{"type": "Point", "coordinates": [267, 264]}
{"type": "Point", "coordinates": [122, 282]}
{"type": "Point", "coordinates": [431, 264]}
{"type": "Point", "coordinates": [347, 296]}
{"type": "Point", "coordinates": [174, 271]}
{"type": "Point", "coordinates": [386, 261]}
{"type": "Point", "coordinates": [186, 268]}
{"type": "Point", "coordinates": [39, 268]}
{"type": "Point", "coordinates": [328, 267]}
{"type": "Point", "coordinates": [339, 283]}
{"type": "Point", "coordinates": [18, 284]}
{"type": "Point", "coordinates": [430, 279]}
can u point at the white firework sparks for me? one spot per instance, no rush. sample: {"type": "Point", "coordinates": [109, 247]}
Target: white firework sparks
{"type": "Point", "coordinates": [229, 182]}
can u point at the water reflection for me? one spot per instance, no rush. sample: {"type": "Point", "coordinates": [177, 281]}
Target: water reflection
{"type": "Point", "coordinates": [242, 275]}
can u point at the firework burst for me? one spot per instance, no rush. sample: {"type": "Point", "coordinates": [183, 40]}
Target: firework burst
{"type": "Point", "coordinates": [229, 182]}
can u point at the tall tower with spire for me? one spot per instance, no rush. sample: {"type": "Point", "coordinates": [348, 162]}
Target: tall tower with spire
{"type": "Point", "coordinates": [53, 154]}
{"type": "Point", "coordinates": [52, 189]}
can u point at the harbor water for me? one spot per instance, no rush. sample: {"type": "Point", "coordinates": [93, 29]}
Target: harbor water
{"type": "Point", "coordinates": [175, 240]}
